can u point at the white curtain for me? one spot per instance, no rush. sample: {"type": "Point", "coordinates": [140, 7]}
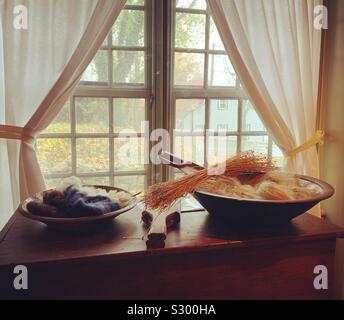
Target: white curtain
{"type": "Point", "coordinates": [275, 50]}
{"type": "Point", "coordinates": [39, 67]}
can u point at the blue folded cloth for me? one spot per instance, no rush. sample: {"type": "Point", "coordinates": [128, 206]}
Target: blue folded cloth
{"type": "Point", "coordinates": [79, 204]}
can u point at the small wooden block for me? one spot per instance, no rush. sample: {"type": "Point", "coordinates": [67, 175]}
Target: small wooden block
{"type": "Point", "coordinates": [155, 244]}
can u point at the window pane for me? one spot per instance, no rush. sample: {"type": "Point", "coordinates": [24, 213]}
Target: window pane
{"type": "Point", "coordinates": [258, 144]}
{"type": "Point", "coordinates": [250, 118]}
{"type": "Point", "coordinates": [95, 180]}
{"type": "Point", "coordinates": [61, 123]}
{"type": "Point", "coordinates": [223, 115]}
{"type": "Point", "coordinates": [192, 4]}
{"type": "Point", "coordinates": [128, 67]}
{"type": "Point", "coordinates": [221, 148]}
{"type": "Point", "coordinates": [53, 183]}
{"type": "Point", "coordinates": [190, 115]}
{"type": "Point", "coordinates": [92, 115]}
{"type": "Point", "coordinates": [97, 70]}
{"type": "Point", "coordinates": [190, 148]}
{"type": "Point", "coordinates": [220, 71]}
{"type": "Point", "coordinates": [215, 42]}
{"type": "Point", "coordinates": [190, 30]}
{"type": "Point", "coordinates": [92, 154]}
{"type": "Point", "coordinates": [188, 69]}
{"type": "Point", "coordinates": [128, 29]}
{"type": "Point", "coordinates": [277, 155]}
{"type": "Point", "coordinates": [128, 114]}
{"type": "Point", "coordinates": [54, 155]}
{"type": "Point", "coordinates": [135, 2]}
{"type": "Point", "coordinates": [133, 184]}
{"type": "Point", "coordinates": [129, 154]}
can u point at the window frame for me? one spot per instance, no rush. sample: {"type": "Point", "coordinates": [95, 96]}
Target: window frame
{"type": "Point", "coordinates": [88, 89]}
{"type": "Point", "coordinates": [159, 92]}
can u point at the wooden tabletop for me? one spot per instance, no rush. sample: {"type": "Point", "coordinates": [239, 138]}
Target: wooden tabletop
{"type": "Point", "coordinates": [25, 241]}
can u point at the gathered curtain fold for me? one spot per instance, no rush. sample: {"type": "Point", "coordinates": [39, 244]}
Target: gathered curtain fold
{"type": "Point", "coordinates": [39, 67]}
{"type": "Point", "coordinates": [275, 49]}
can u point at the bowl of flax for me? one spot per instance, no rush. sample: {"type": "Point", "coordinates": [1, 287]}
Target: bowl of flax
{"type": "Point", "coordinates": [249, 190]}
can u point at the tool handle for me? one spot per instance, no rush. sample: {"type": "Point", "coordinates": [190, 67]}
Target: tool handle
{"type": "Point", "coordinates": [158, 229]}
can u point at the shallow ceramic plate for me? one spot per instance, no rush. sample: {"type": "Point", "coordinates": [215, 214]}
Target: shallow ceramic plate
{"type": "Point", "coordinates": [81, 222]}
{"type": "Point", "coordinates": [253, 212]}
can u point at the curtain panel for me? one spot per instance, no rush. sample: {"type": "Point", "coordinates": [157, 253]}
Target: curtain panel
{"type": "Point", "coordinates": [275, 49]}
{"type": "Point", "coordinates": [41, 61]}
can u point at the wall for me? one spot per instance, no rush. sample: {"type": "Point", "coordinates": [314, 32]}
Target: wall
{"type": "Point", "coordinates": [333, 159]}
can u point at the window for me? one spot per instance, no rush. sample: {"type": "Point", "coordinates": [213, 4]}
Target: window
{"type": "Point", "coordinates": [113, 95]}
{"type": "Point", "coordinates": [207, 94]}
{"type": "Point", "coordinates": [118, 91]}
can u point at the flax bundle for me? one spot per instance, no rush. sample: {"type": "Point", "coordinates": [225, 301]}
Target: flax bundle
{"type": "Point", "coordinates": [163, 195]}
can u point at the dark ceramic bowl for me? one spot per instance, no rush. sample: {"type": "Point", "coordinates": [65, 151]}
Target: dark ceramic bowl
{"type": "Point", "coordinates": [252, 212]}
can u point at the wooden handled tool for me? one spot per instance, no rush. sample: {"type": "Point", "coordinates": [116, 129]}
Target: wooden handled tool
{"type": "Point", "coordinates": [159, 221]}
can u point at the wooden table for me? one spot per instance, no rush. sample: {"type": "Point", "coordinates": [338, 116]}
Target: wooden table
{"type": "Point", "coordinates": [203, 259]}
